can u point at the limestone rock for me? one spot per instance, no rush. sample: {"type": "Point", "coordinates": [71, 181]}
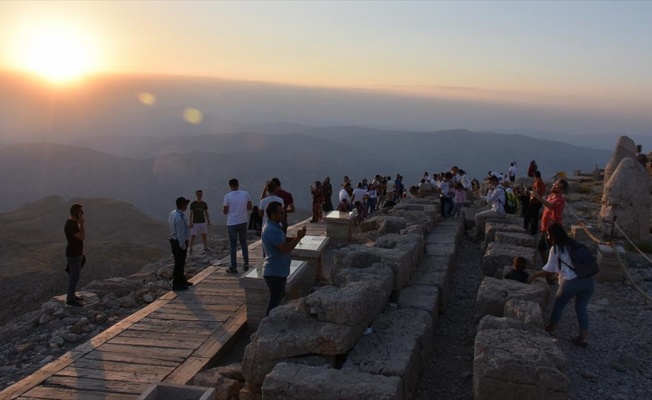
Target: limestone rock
{"type": "Point", "coordinates": [516, 364]}
{"type": "Point", "coordinates": [627, 196]}
{"type": "Point", "coordinates": [420, 297]}
{"type": "Point", "coordinates": [388, 355]}
{"type": "Point", "coordinates": [491, 322]}
{"type": "Point", "coordinates": [501, 226]}
{"type": "Point", "coordinates": [407, 321]}
{"type": "Point", "coordinates": [494, 294]}
{"type": "Point", "coordinates": [516, 239]}
{"type": "Point", "coordinates": [298, 382]}
{"type": "Point", "coordinates": [527, 311]}
{"type": "Point", "coordinates": [118, 286]}
{"type": "Point", "coordinates": [624, 148]}
{"type": "Point", "coordinates": [360, 295]}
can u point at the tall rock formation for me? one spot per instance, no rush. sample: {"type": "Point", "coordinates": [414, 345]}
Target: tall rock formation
{"type": "Point", "coordinates": [627, 196]}
{"type": "Point", "coordinates": [624, 148]}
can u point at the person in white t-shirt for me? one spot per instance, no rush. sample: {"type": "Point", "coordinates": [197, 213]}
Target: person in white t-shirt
{"type": "Point", "coordinates": [359, 193]}
{"type": "Point", "coordinates": [236, 207]}
{"type": "Point", "coordinates": [271, 196]}
{"type": "Point", "coordinates": [512, 172]}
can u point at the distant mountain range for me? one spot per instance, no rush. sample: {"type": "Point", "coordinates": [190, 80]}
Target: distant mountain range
{"type": "Point", "coordinates": [99, 140]}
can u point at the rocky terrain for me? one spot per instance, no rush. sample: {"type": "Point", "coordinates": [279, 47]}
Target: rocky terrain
{"type": "Point", "coordinates": [616, 364]}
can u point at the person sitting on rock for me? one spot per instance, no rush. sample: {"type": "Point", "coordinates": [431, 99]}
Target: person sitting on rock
{"type": "Point", "coordinates": [518, 271]}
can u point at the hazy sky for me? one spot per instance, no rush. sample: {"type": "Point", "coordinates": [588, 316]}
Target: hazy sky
{"type": "Point", "coordinates": [585, 56]}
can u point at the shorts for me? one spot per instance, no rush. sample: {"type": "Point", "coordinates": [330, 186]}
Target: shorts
{"type": "Point", "coordinates": [199, 227]}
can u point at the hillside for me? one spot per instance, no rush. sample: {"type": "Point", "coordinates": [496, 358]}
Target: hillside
{"type": "Point", "coordinates": [121, 239]}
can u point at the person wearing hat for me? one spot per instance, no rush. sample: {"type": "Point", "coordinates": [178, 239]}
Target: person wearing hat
{"type": "Point", "coordinates": [495, 198]}
{"type": "Point", "coordinates": [179, 235]}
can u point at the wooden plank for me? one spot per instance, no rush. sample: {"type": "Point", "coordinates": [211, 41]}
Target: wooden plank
{"type": "Point", "coordinates": [105, 365]}
{"type": "Point", "coordinates": [232, 307]}
{"type": "Point", "coordinates": [154, 342]}
{"type": "Point", "coordinates": [195, 314]}
{"type": "Point", "coordinates": [182, 330]}
{"type": "Point", "coordinates": [186, 371]}
{"type": "Point", "coordinates": [119, 376]}
{"type": "Point", "coordinates": [97, 385]}
{"type": "Point", "coordinates": [227, 333]}
{"type": "Point", "coordinates": [165, 336]}
{"type": "Point", "coordinates": [52, 393]}
{"type": "Point", "coordinates": [152, 352]}
{"type": "Point", "coordinates": [130, 359]}
{"type": "Point", "coordinates": [189, 317]}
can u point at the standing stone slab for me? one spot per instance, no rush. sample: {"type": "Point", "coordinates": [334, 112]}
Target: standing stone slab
{"type": "Point", "coordinates": [494, 294]}
{"type": "Point", "coordinates": [299, 382]}
{"type": "Point", "coordinates": [626, 196]}
{"type": "Point", "coordinates": [388, 355]}
{"type": "Point", "coordinates": [497, 255]}
{"type": "Point", "coordinates": [513, 364]}
{"type": "Point", "coordinates": [625, 147]}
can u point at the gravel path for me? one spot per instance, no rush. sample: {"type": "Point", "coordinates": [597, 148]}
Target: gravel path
{"type": "Point", "coordinates": [617, 364]}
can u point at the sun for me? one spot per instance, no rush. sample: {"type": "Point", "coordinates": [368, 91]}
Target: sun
{"type": "Point", "coordinates": [58, 53]}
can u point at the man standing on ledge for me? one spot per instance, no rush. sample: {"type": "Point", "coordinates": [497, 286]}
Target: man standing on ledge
{"type": "Point", "coordinates": [179, 235]}
{"type": "Point", "coordinates": [199, 221]}
{"type": "Point", "coordinates": [277, 253]}
{"type": "Point", "coordinates": [75, 235]}
{"type": "Point", "coordinates": [237, 205]}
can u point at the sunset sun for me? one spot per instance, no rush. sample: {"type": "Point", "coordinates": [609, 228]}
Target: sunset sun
{"type": "Point", "coordinates": [57, 53]}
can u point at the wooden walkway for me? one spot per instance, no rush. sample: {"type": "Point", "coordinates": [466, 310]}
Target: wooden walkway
{"type": "Point", "coordinates": [170, 340]}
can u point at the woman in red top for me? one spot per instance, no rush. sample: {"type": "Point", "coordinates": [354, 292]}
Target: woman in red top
{"type": "Point", "coordinates": [553, 208]}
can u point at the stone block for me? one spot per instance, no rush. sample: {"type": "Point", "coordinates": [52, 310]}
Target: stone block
{"type": "Point", "coordinates": [491, 322]}
{"type": "Point", "coordinates": [408, 321]}
{"type": "Point", "coordinates": [497, 255]}
{"type": "Point", "coordinates": [420, 297]}
{"type": "Point", "coordinates": [299, 382]}
{"type": "Point", "coordinates": [388, 355]}
{"type": "Point", "coordinates": [435, 271]}
{"type": "Point", "coordinates": [528, 312]}
{"type": "Point", "coordinates": [500, 226]}
{"type": "Point", "coordinates": [359, 296]}
{"type": "Point", "coordinates": [516, 239]}
{"type": "Point", "coordinates": [288, 332]}
{"type": "Point", "coordinates": [513, 364]}
{"type": "Point", "coordinates": [439, 237]}
{"type": "Point", "coordinates": [494, 294]}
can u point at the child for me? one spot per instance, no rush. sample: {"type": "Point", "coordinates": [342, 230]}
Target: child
{"type": "Point", "coordinates": [460, 199]}
{"type": "Point", "coordinates": [518, 272]}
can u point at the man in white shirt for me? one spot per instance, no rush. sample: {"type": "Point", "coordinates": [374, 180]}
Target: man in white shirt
{"type": "Point", "coordinates": [237, 205]}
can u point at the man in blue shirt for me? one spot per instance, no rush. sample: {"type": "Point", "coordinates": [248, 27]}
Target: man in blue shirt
{"type": "Point", "coordinates": [277, 253]}
{"type": "Point", "coordinates": [179, 235]}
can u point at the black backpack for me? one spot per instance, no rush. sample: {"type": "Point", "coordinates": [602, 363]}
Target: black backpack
{"type": "Point", "coordinates": [584, 263]}
{"type": "Point", "coordinates": [511, 203]}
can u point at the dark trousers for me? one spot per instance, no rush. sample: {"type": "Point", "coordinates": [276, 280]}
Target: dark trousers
{"type": "Point", "coordinates": [276, 285]}
{"type": "Point", "coordinates": [74, 264]}
{"type": "Point", "coordinates": [532, 218]}
{"type": "Point", "coordinates": [238, 232]}
{"type": "Point", "coordinates": [179, 254]}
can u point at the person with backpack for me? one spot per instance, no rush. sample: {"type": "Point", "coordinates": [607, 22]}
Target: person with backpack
{"type": "Point", "coordinates": [496, 198]}
{"type": "Point", "coordinates": [576, 279]}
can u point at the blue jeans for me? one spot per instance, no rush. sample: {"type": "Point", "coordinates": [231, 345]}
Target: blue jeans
{"type": "Point", "coordinates": [371, 205]}
{"type": "Point", "coordinates": [240, 231]}
{"type": "Point", "coordinates": [580, 288]}
{"type": "Point", "coordinates": [74, 263]}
